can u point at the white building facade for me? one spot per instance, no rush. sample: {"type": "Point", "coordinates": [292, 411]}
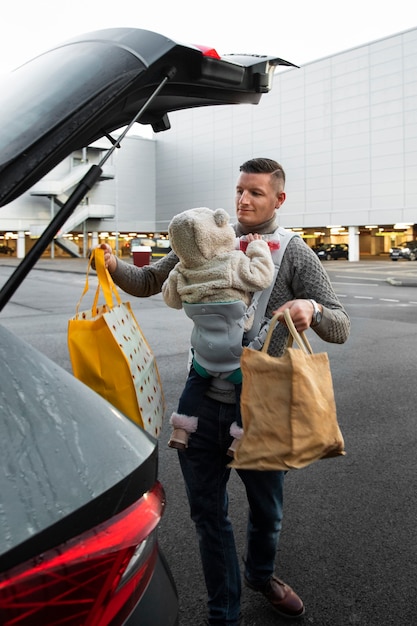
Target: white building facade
{"type": "Point", "coordinates": [345, 130]}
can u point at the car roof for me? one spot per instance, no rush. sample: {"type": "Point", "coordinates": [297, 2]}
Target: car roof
{"type": "Point", "coordinates": [95, 83]}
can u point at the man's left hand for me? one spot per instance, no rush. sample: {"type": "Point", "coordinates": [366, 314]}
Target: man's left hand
{"type": "Point", "coordinates": [301, 312]}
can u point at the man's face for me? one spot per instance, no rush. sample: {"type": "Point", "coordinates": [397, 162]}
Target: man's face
{"type": "Point", "coordinates": [257, 197]}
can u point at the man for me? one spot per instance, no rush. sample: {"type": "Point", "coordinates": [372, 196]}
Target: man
{"type": "Point", "coordinates": [303, 287]}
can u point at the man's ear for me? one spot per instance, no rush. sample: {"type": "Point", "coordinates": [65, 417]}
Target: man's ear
{"type": "Point", "coordinates": [280, 199]}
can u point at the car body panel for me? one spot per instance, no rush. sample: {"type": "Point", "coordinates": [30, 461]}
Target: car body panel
{"type": "Point", "coordinates": [81, 448]}
{"type": "Point", "coordinates": [151, 611]}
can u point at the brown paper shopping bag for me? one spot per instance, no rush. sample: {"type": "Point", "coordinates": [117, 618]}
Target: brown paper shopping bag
{"type": "Point", "coordinates": [110, 354]}
{"type": "Point", "coordinates": [288, 407]}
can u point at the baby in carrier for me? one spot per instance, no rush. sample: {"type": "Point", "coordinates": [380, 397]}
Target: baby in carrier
{"type": "Point", "coordinates": [213, 282]}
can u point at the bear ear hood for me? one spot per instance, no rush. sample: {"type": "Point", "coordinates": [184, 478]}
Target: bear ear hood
{"type": "Point", "coordinates": [200, 234]}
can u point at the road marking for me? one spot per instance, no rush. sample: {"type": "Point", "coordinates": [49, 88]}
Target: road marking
{"type": "Point", "coordinates": [360, 277]}
{"type": "Point", "coordinates": [344, 295]}
{"type": "Point", "coordinates": [335, 282]}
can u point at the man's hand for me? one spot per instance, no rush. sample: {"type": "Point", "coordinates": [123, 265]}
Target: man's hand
{"type": "Point", "coordinates": [110, 261]}
{"type": "Point", "coordinates": [301, 312]}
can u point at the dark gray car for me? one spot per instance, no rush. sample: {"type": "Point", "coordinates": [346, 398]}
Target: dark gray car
{"type": "Point", "coordinates": [406, 250]}
{"type": "Point", "coordinates": [80, 501]}
{"type": "Point", "coordinates": [333, 252]}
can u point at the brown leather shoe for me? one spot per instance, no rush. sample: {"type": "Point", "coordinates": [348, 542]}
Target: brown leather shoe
{"type": "Point", "coordinates": [282, 598]}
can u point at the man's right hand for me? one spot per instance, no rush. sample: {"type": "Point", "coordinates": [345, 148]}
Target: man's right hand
{"type": "Point", "coordinates": [110, 261]}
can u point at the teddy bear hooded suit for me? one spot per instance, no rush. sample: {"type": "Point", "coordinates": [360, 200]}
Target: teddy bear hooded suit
{"type": "Point", "coordinates": [210, 269]}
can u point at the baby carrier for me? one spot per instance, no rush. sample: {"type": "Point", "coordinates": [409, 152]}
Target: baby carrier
{"type": "Point", "coordinates": [213, 321]}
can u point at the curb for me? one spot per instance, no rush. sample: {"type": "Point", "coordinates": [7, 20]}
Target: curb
{"type": "Point", "coordinates": [401, 283]}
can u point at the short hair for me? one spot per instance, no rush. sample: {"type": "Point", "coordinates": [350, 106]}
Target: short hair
{"type": "Point", "coordinates": [264, 166]}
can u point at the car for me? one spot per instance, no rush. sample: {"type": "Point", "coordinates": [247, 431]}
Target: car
{"type": "Point", "coordinates": [319, 247]}
{"type": "Point", "coordinates": [6, 249]}
{"type": "Point", "coordinates": [80, 498]}
{"type": "Point", "coordinates": [406, 250]}
{"type": "Point", "coordinates": [333, 252]}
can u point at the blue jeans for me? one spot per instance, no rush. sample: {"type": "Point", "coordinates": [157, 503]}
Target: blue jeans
{"type": "Point", "coordinates": [194, 392]}
{"type": "Point", "coordinates": [204, 468]}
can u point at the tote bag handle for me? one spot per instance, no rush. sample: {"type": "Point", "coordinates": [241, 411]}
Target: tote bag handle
{"type": "Point", "coordinates": [105, 283]}
{"type": "Point", "coordinates": [299, 338]}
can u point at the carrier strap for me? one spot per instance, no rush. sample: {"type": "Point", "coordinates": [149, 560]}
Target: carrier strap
{"type": "Point", "coordinates": [254, 338]}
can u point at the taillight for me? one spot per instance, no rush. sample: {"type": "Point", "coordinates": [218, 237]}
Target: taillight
{"type": "Point", "coordinates": [208, 52]}
{"type": "Point", "coordinates": [94, 579]}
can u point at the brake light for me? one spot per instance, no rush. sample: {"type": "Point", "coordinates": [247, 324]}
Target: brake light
{"type": "Point", "coordinates": [209, 52]}
{"type": "Point", "coordinates": [94, 579]}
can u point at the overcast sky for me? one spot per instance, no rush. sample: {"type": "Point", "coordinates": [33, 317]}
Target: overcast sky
{"type": "Point", "coordinates": [299, 32]}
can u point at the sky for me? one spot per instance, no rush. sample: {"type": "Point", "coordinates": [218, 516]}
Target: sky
{"type": "Point", "coordinates": [298, 31]}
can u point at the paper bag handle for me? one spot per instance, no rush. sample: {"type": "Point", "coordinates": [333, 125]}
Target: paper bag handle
{"type": "Point", "coordinates": [299, 338]}
{"type": "Point", "coordinates": [105, 282]}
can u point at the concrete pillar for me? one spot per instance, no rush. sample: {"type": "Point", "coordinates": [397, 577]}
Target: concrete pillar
{"type": "Point", "coordinates": [85, 240]}
{"type": "Point", "coordinates": [52, 210]}
{"type": "Point", "coordinates": [353, 243]}
{"type": "Point", "coordinates": [20, 244]}
{"type": "Point", "coordinates": [94, 240]}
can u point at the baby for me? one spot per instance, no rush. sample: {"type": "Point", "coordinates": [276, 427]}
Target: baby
{"type": "Point", "coordinates": [213, 282]}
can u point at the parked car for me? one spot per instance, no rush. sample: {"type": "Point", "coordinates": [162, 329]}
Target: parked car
{"type": "Point", "coordinates": [80, 499]}
{"type": "Point", "coordinates": [6, 249]}
{"type": "Point", "coordinates": [333, 252]}
{"type": "Point", "coordinates": [319, 247]}
{"type": "Point", "coordinates": [406, 250]}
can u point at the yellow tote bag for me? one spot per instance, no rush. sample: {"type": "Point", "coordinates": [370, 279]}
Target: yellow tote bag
{"type": "Point", "coordinates": [288, 407]}
{"type": "Point", "coordinates": [110, 354]}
